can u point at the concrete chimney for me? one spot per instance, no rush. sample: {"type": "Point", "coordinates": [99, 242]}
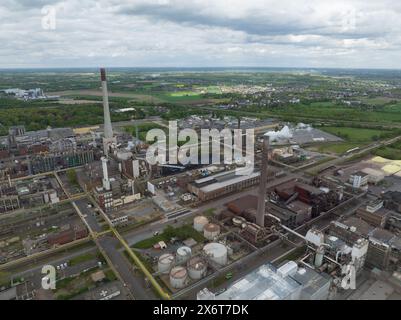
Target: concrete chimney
{"type": "Point", "coordinates": [260, 214]}
{"type": "Point", "coordinates": [108, 129]}
{"type": "Point", "coordinates": [106, 181]}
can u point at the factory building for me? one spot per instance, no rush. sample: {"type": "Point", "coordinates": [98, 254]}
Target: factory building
{"type": "Point", "coordinates": [384, 246]}
{"type": "Point", "coordinates": [9, 203]}
{"type": "Point", "coordinates": [316, 199]}
{"type": "Point", "coordinates": [374, 213]}
{"type": "Point", "coordinates": [68, 233]}
{"type": "Point", "coordinates": [56, 161]}
{"type": "Point", "coordinates": [289, 282]}
{"type": "Point", "coordinates": [221, 184]}
{"type": "Point", "coordinates": [291, 216]}
{"type": "Point", "coordinates": [359, 179]}
{"type": "Point", "coordinates": [392, 200]}
{"type": "Point", "coordinates": [110, 189]}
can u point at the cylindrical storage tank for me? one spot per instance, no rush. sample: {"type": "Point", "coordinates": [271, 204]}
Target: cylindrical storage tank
{"type": "Point", "coordinates": [183, 254]}
{"type": "Point", "coordinates": [178, 277]}
{"type": "Point", "coordinates": [200, 222]}
{"type": "Point", "coordinates": [197, 268]}
{"type": "Point", "coordinates": [237, 222]}
{"type": "Point", "coordinates": [165, 263]}
{"type": "Point", "coordinates": [217, 252]}
{"type": "Point", "coordinates": [319, 257]}
{"type": "Point", "coordinates": [211, 231]}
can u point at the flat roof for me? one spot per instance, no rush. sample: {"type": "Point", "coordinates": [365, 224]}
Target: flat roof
{"type": "Point", "coordinates": [232, 179]}
{"type": "Point", "coordinates": [261, 284]}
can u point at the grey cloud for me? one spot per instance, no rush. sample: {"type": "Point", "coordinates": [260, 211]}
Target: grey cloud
{"type": "Point", "coordinates": [254, 22]}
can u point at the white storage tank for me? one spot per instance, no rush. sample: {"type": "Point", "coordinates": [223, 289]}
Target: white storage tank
{"type": "Point", "coordinates": [217, 252]}
{"type": "Point", "coordinates": [178, 277]}
{"type": "Point", "coordinates": [165, 263]}
{"type": "Point", "coordinates": [211, 231]}
{"type": "Point", "coordinates": [237, 221]}
{"type": "Point", "coordinates": [197, 268]}
{"type": "Point", "coordinates": [200, 222]}
{"type": "Point", "coordinates": [183, 254]}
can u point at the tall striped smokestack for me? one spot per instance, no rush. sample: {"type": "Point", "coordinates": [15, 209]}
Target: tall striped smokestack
{"type": "Point", "coordinates": [108, 129]}
{"type": "Point", "coordinates": [260, 214]}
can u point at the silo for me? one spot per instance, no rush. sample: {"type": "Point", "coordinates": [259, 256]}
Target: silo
{"type": "Point", "coordinates": [165, 263]}
{"type": "Point", "coordinates": [319, 256]}
{"type": "Point", "coordinates": [197, 268]}
{"type": "Point", "coordinates": [178, 277]}
{"type": "Point", "coordinates": [200, 222]}
{"type": "Point", "coordinates": [211, 231]}
{"type": "Point", "coordinates": [183, 254]}
{"type": "Point", "coordinates": [217, 252]}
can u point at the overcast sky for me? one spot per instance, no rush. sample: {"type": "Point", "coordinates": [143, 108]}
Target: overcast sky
{"type": "Point", "coordinates": [185, 33]}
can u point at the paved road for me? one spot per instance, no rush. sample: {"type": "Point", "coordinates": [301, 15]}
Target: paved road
{"type": "Point", "coordinates": [135, 283]}
{"type": "Point", "coordinates": [110, 246]}
{"type": "Point", "coordinates": [90, 215]}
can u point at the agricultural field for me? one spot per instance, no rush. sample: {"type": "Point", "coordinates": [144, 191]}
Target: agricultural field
{"type": "Point", "coordinates": [353, 137]}
{"type": "Point", "coordinates": [259, 92]}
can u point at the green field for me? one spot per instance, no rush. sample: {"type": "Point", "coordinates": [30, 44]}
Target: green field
{"type": "Point", "coordinates": [353, 137]}
{"type": "Point", "coordinates": [392, 151]}
{"type": "Point", "coordinates": [143, 129]}
{"type": "Point", "coordinates": [356, 134]}
{"type": "Point", "coordinates": [185, 94]}
{"type": "Point", "coordinates": [169, 232]}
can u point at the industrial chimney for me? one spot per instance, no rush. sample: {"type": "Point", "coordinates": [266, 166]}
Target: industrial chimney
{"type": "Point", "coordinates": [108, 138]}
{"type": "Point", "coordinates": [106, 181]}
{"type": "Point", "coordinates": [260, 214]}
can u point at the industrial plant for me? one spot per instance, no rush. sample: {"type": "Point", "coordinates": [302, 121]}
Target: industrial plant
{"type": "Point", "coordinates": [197, 231]}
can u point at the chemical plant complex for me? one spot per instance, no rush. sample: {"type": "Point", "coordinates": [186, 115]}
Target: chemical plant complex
{"type": "Point", "coordinates": [87, 201]}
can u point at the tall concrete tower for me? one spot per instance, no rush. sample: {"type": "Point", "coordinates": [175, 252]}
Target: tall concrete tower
{"type": "Point", "coordinates": [108, 138]}
{"type": "Point", "coordinates": [260, 214]}
{"type": "Point", "coordinates": [106, 181]}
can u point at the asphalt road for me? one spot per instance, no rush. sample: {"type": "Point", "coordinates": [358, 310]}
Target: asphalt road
{"type": "Point", "coordinates": [90, 215]}
{"type": "Point", "coordinates": [135, 283]}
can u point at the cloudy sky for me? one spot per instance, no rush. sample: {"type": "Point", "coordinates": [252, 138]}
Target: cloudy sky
{"type": "Point", "coordinates": [185, 33]}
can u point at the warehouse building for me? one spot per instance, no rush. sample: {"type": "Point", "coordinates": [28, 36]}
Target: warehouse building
{"type": "Point", "coordinates": [221, 184]}
{"type": "Point", "coordinates": [374, 213]}
{"type": "Point", "coordinates": [289, 282]}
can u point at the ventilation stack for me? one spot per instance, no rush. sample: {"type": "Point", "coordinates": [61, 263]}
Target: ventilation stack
{"type": "Point", "coordinates": [260, 214]}
{"type": "Point", "coordinates": [106, 181]}
{"type": "Point", "coordinates": [108, 138]}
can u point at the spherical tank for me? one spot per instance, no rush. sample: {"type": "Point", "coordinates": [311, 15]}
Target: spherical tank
{"type": "Point", "coordinates": [183, 254]}
{"type": "Point", "coordinates": [178, 277]}
{"type": "Point", "coordinates": [165, 263]}
{"type": "Point", "coordinates": [217, 252]}
{"type": "Point", "coordinates": [211, 231]}
{"type": "Point", "coordinates": [200, 222]}
{"type": "Point", "coordinates": [197, 268]}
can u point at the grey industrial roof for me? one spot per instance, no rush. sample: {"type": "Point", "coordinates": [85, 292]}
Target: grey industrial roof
{"type": "Point", "coordinates": [310, 280]}
{"type": "Point", "coordinates": [261, 284]}
{"type": "Point", "coordinates": [224, 179]}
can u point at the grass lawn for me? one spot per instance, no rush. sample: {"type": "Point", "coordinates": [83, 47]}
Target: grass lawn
{"type": "Point", "coordinates": [355, 134]}
{"type": "Point", "coordinates": [354, 137]}
{"type": "Point", "coordinates": [337, 148]}
{"type": "Point", "coordinates": [70, 287]}
{"type": "Point", "coordinates": [182, 233]}
{"type": "Point", "coordinates": [82, 258]}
